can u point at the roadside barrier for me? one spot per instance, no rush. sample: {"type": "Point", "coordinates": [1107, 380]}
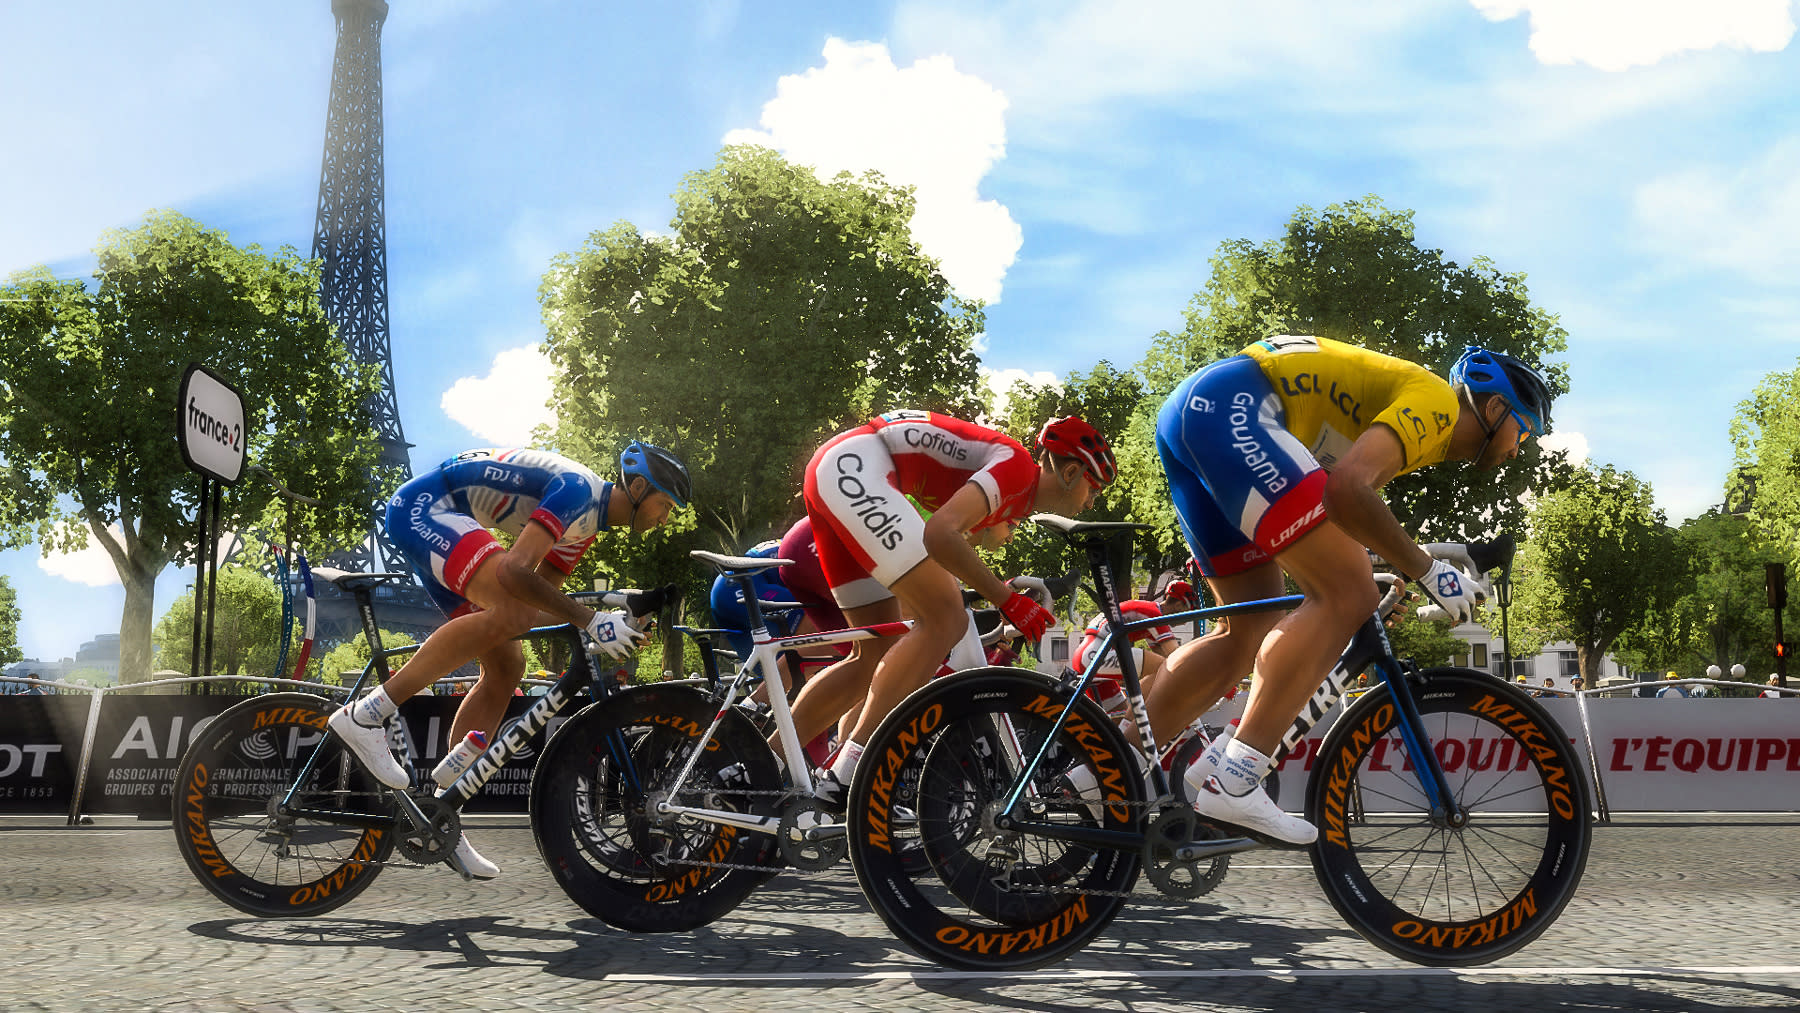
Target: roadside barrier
{"type": "Point", "coordinates": [115, 752]}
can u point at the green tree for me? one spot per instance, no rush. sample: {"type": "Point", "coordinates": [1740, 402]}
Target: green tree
{"type": "Point", "coordinates": [1765, 436]}
{"type": "Point", "coordinates": [1426, 642]}
{"type": "Point", "coordinates": [1718, 613]}
{"type": "Point", "coordinates": [1103, 396]}
{"type": "Point", "coordinates": [1599, 557]}
{"type": "Point", "coordinates": [88, 382]}
{"type": "Point", "coordinates": [9, 624]}
{"type": "Point", "coordinates": [777, 309]}
{"type": "Point", "coordinates": [353, 656]}
{"type": "Point", "coordinates": [246, 626]}
{"type": "Point", "coordinates": [1355, 272]}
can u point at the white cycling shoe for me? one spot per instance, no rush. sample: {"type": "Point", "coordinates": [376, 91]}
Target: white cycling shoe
{"type": "Point", "coordinates": [370, 746]}
{"type": "Point", "coordinates": [466, 860]}
{"type": "Point", "coordinates": [1253, 813]}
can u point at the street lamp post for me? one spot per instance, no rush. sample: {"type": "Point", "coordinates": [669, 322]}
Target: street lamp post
{"type": "Point", "coordinates": [1503, 592]}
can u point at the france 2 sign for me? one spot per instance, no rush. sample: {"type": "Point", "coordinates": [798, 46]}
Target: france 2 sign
{"type": "Point", "coordinates": [210, 421]}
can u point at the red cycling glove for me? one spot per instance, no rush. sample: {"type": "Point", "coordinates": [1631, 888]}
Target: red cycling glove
{"type": "Point", "coordinates": [1027, 616]}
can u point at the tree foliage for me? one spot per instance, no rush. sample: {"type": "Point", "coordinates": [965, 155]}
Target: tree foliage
{"type": "Point", "coordinates": [88, 383]}
{"type": "Point", "coordinates": [1599, 559]}
{"type": "Point", "coordinates": [246, 626]}
{"type": "Point", "coordinates": [1355, 272]}
{"type": "Point", "coordinates": [804, 305]}
{"type": "Point", "coordinates": [9, 624]}
{"type": "Point", "coordinates": [352, 656]}
{"type": "Point", "coordinates": [1765, 436]}
{"type": "Point", "coordinates": [1105, 398]}
{"type": "Point", "coordinates": [1716, 612]}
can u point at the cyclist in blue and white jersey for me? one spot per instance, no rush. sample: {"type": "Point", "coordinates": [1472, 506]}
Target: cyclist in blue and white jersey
{"type": "Point", "coordinates": [441, 520]}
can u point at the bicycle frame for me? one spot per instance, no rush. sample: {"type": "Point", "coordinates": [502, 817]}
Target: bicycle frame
{"type": "Point", "coordinates": [765, 652]}
{"type": "Point", "coordinates": [511, 742]}
{"type": "Point", "coordinates": [1368, 646]}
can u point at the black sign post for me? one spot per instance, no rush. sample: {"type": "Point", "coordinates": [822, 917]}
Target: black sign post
{"type": "Point", "coordinates": [209, 420]}
{"type": "Point", "coordinates": [1777, 575]}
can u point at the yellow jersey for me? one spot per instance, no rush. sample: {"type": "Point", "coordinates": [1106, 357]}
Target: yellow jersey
{"type": "Point", "coordinates": [1333, 392]}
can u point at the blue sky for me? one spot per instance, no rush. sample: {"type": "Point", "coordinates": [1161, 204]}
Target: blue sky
{"type": "Point", "coordinates": [1078, 163]}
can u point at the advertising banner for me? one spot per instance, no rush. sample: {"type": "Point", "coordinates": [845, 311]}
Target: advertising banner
{"type": "Point", "coordinates": [40, 751]}
{"type": "Point", "coordinates": [1668, 755]}
{"type": "Point", "coordinates": [139, 741]}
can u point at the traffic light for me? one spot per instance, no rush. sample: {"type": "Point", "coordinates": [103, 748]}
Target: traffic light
{"type": "Point", "coordinates": [1775, 576]}
{"type": "Point", "coordinates": [1783, 649]}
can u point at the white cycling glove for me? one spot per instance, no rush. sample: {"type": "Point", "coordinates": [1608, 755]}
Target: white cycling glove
{"type": "Point", "coordinates": [614, 635]}
{"type": "Point", "coordinates": [1454, 591]}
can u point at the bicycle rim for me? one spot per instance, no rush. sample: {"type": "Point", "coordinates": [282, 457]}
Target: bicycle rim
{"type": "Point", "coordinates": [1419, 886]}
{"type": "Point", "coordinates": [223, 811]}
{"type": "Point", "coordinates": [987, 899]}
{"type": "Point", "coordinates": [601, 838]}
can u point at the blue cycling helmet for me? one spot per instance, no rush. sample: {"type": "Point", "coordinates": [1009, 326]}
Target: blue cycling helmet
{"type": "Point", "coordinates": [663, 470]}
{"type": "Point", "coordinates": [1485, 372]}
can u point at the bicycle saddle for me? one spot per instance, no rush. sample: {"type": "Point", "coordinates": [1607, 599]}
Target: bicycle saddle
{"type": "Point", "coordinates": [347, 581]}
{"type": "Point", "coordinates": [738, 564]}
{"type": "Point", "coordinates": [1074, 529]}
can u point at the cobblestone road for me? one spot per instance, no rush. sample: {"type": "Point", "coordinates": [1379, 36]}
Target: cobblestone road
{"type": "Point", "coordinates": [1673, 915]}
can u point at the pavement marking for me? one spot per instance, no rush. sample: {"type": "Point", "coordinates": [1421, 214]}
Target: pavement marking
{"type": "Point", "coordinates": [59, 833]}
{"type": "Point", "coordinates": [1601, 971]}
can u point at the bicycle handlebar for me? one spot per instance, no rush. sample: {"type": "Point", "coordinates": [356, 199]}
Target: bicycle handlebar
{"type": "Point", "coordinates": [638, 603]}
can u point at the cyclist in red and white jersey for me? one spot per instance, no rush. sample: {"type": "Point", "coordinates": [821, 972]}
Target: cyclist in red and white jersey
{"type": "Point", "coordinates": [1106, 688]}
{"type": "Point", "coordinates": [879, 554]}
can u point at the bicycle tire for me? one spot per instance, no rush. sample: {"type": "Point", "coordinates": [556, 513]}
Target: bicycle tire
{"type": "Point", "coordinates": [1418, 887]}
{"type": "Point", "coordinates": [1044, 910]}
{"type": "Point", "coordinates": [224, 828]}
{"type": "Point", "coordinates": [609, 854]}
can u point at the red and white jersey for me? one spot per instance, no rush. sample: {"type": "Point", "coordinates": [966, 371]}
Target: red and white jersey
{"type": "Point", "coordinates": [934, 455]}
{"type": "Point", "coordinates": [1132, 611]}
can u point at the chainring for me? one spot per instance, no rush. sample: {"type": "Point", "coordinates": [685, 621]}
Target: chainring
{"type": "Point", "coordinates": [1182, 880]}
{"type": "Point", "coordinates": [814, 855]}
{"type": "Point", "coordinates": [433, 842]}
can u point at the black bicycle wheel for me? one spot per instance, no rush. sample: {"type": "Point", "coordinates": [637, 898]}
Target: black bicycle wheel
{"type": "Point", "coordinates": [1450, 890]}
{"type": "Point", "coordinates": [990, 899]}
{"type": "Point", "coordinates": [225, 824]}
{"type": "Point", "coordinates": [601, 837]}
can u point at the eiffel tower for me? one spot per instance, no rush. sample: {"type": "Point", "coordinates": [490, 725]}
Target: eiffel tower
{"type": "Point", "coordinates": [350, 237]}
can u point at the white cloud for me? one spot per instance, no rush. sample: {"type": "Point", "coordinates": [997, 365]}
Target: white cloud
{"type": "Point", "coordinates": [928, 126]}
{"type": "Point", "coordinates": [507, 404]}
{"type": "Point", "coordinates": [999, 384]}
{"type": "Point", "coordinates": [1617, 35]}
{"type": "Point", "coordinates": [1573, 442]}
{"type": "Point", "coordinates": [90, 566]}
{"type": "Point", "coordinates": [1744, 218]}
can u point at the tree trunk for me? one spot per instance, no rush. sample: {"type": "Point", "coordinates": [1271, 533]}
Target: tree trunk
{"type": "Point", "coordinates": [135, 624]}
{"type": "Point", "coordinates": [1592, 660]}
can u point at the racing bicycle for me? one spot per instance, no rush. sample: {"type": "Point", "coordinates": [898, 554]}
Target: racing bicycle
{"type": "Point", "coordinates": [662, 807]}
{"type": "Point", "coordinates": [277, 818]}
{"type": "Point", "coordinates": [1453, 817]}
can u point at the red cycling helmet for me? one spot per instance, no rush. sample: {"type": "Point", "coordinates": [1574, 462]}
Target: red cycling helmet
{"type": "Point", "coordinates": [1071, 437]}
{"type": "Point", "coordinates": [1178, 589]}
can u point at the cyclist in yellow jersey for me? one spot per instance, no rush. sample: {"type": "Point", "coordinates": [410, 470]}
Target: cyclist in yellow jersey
{"type": "Point", "coordinates": [1275, 459]}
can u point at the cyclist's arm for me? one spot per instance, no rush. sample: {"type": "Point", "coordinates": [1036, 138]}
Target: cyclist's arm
{"type": "Point", "coordinates": [518, 575]}
{"type": "Point", "coordinates": [945, 542]}
{"type": "Point", "coordinates": [1354, 504]}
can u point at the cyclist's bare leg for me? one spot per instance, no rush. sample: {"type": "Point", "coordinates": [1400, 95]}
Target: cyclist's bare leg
{"type": "Point", "coordinates": [501, 669]}
{"type": "Point", "coordinates": [1201, 670]}
{"type": "Point", "coordinates": [933, 598]}
{"type": "Point", "coordinates": [830, 693]}
{"type": "Point", "coordinates": [1334, 573]}
{"type": "Point", "coordinates": [500, 618]}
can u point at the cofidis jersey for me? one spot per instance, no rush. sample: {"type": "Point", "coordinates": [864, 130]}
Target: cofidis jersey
{"type": "Point", "coordinates": [1333, 392]}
